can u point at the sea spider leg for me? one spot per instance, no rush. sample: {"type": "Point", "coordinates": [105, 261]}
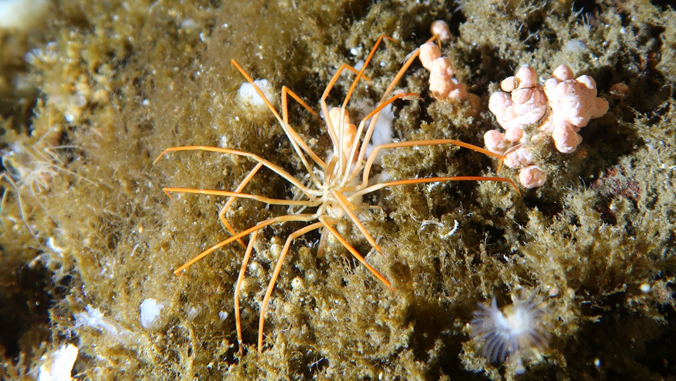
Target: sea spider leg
{"type": "Point", "coordinates": [341, 161]}
{"type": "Point", "coordinates": [275, 168]}
{"type": "Point", "coordinates": [322, 243]}
{"type": "Point", "coordinates": [285, 119]}
{"type": "Point", "coordinates": [390, 87]}
{"type": "Point", "coordinates": [285, 116]}
{"type": "Point", "coordinates": [295, 140]}
{"type": "Point", "coordinates": [238, 288]}
{"type": "Point", "coordinates": [347, 208]}
{"type": "Point", "coordinates": [231, 200]}
{"type": "Point", "coordinates": [328, 224]}
{"type": "Point", "coordinates": [361, 72]}
{"type": "Point", "coordinates": [372, 126]}
{"type": "Point", "coordinates": [322, 101]}
{"type": "Point", "coordinates": [373, 114]}
{"type": "Point", "coordinates": [338, 140]}
{"type": "Point", "coordinates": [376, 187]}
{"type": "Point", "coordinates": [275, 274]}
{"type": "Point", "coordinates": [419, 143]}
{"type": "Point", "coordinates": [258, 226]}
{"type": "Point", "coordinates": [267, 200]}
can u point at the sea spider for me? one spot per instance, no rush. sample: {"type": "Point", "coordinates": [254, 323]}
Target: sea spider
{"type": "Point", "coordinates": [335, 188]}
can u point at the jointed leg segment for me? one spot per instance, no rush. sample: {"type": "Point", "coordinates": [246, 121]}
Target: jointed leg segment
{"type": "Point", "coordinates": [238, 287]}
{"type": "Point", "coordinates": [419, 143]}
{"type": "Point", "coordinates": [258, 226]}
{"type": "Point", "coordinates": [328, 224]}
{"type": "Point", "coordinates": [275, 274]}
{"type": "Point", "coordinates": [294, 139]}
{"type": "Point", "coordinates": [231, 200]}
{"type": "Point", "coordinates": [275, 168]}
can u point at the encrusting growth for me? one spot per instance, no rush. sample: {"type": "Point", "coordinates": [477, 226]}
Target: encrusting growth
{"type": "Point", "coordinates": [558, 109]}
{"type": "Point", "coordinates": [443, 84]}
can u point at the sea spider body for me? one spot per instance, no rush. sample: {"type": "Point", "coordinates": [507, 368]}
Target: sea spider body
{"type": "Point", "coordinates": [336, 186]}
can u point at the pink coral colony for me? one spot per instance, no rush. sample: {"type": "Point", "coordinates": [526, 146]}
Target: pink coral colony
{"type": "Point", "coordinates": [558, 109]}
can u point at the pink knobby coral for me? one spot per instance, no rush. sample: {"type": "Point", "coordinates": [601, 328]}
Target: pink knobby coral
{"type": "Point", "coordinates": [442, 83]}
{"type": "Point", "coordinates": [440, 29]}
{"type": "Point", "coordinates": [559, 109]}
{"type": "Point", "coordinates": [573, 103]}
{"type": "Point", "coordinates": [523, 103]}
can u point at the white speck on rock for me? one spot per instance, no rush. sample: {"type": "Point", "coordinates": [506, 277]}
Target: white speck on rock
{"type": "Point", "coordinates": [248, 95]}
{"type": "Point", "coordinates": [222, 316]}
{"type": "Point", "coordinates": [150, 311]}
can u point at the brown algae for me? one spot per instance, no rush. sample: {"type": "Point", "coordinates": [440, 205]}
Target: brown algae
{"type": "Point", "coordinates": [119, 82]}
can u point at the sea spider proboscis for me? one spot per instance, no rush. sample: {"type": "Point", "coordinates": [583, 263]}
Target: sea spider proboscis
{"type": "Point", "coordinates": [335, 187]}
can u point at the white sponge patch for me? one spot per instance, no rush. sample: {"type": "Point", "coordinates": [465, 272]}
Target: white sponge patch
{"type": "Point", "coordinates": [247, 93]}
{"type": "Point", "coordinates": [58, 366]}
{"type": "Point", "coordinates": [150, 311]}
{"type": "Point", "coordinates": [23, 14]}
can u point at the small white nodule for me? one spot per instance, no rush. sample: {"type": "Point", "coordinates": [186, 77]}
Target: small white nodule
{"type": "Point", "coordinates": [222, 316]}
{"type": "Point", "coordinates": [150, 311]}
{"type": "Point", "coordinates": [248, 95]}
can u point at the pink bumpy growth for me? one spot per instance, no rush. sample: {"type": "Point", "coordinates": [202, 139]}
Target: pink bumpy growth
{"type": "Point", "coordinates": [573, 103]}
{"type": "Point", "coordinates": [440, 28]}
{"type": "Point", "coordinates": [442, 83]}
{"type": "Point", "coordinates": [523, 103]}
{"type": "Point", "coordinates": [559, 108]}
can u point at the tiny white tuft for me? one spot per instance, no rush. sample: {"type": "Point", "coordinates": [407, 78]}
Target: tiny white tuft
{"type": "Point", "coordinates": [519, 329]}
{"type": "Point", "coordinates": [93, 317]}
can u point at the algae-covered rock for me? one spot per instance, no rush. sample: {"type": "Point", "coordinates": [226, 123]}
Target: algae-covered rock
{"type": "Point", "coordinates": [91, 98]}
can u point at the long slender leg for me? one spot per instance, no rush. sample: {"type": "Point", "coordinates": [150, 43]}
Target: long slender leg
{"type": "Point", "coordinates": [238, 288]}
{"type": "Point", "coordinates": [393, 83]}
{"type": "Point", "coordinates": [341, 161]}
{"type": "Point", "coordinates": [275, 274]}
{"type": "Point", "coordinates": [231, 200]}
{"type": "Point", "coordinates": [258, 226]}
{"type": "Point", "coordinates": [322, 243]}
{"type": "Point", "coordinates": [285, 116]}
{"type": "Point", "coordinates": [419, 143]}
{"type": "Point", "coordinates": [267, 200]}
{"type": "Point", "coordinates": [325, 108]}
{"type": "Point", "coordinates": [294, 139]}
{"type": "Point", "coordinates": [376, 187]}
{"type": "Point", "coordinates": [403, 69]}
{"type": "Point", "coordinates": [347, 208]}
{"type": "Point", "coordinates": [329, 226]}
{"type": "Point", "coordinates": [376, 112]}
{"type": "Point", "coordinates": [361, 72]}
{"type": "Point", "coordinates": [275, 168]}
{"type": "Point", "coordinates": [372, 126]}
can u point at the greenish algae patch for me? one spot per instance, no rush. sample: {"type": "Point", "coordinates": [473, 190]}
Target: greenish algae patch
{"type": "Point", "coordinates": [118, 83]}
